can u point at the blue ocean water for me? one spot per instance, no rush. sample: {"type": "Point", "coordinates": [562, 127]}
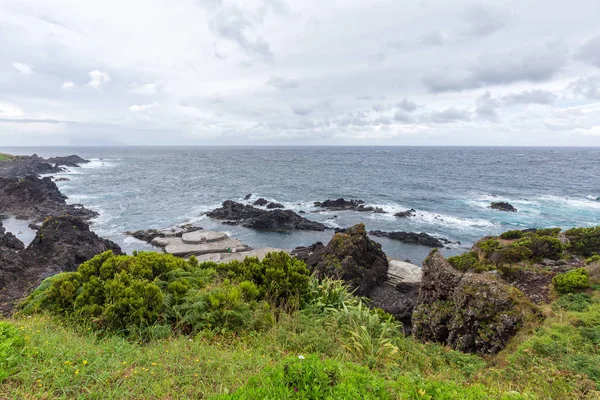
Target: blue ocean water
{"type": "Point", "coordinates": [451, 188]}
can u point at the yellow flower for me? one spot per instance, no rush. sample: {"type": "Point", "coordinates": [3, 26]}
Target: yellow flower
{"type": "Point", "coordinates": [197, 360]}
{"type": "Point", "coordinates": [39, 380]}
{"type": "Point", "coordinates": [76, 372]}
{"type": "Point", "coordinates": [124, 362]}
{"type": "Point", "coordinates": [421, 392]}
{"type": "Point", "coordinates": [152, 372]}
{"type": "Point", "coordinates": [84, 362]}
{"type": "Point", "coordinates": [196, 375]}
{"type": "Point", "coordinates": [154, 364]}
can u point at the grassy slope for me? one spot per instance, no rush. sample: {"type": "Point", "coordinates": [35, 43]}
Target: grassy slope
{"type": "Point", "coordinates": [5, 157]}
{"type": "Point", "coordinates": [556, 360]}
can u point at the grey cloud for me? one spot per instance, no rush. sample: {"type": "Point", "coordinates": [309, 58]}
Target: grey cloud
{"type": "Point", "coordinates": [482, 21]}
{"type": "Point", "coordinates": [590, 52]}
{"type": "Point", "coordinates": [451, 114]}
{"type": "Point", "coordinates": [379, 107]}
{"type": "Point", "coordinates": [364, 97]}
{"type": "Point", "coordinates": [486, 107]}
{"type": "Point", "coordinates": [588, 87]}
{"type": "Point", "coordinates": [529, 63]}
{"type": "Point", "coordinates": [282, 83]}
{"type": "Point", "coordinates": [302, 110]}
{"type": "Point", "coordinates": [433, 38]}
{"type": "Point", "coordinates": [408, 105]}
{"type": "Point", "coordinates": [535, 96]}
{"type": "Point", "coordinates": [402, 116]}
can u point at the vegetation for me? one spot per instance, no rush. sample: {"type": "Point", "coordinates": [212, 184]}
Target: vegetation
{"type": "Point", "coordinates": [5, 157]}
{"type": "Point", "coordinates": [584, 241]}
{"type": "Point", "coordinates": [574, 280]}
{"type": "Point", "coordinates": [266, 330]}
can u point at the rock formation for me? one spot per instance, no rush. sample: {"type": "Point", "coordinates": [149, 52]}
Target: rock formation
{"type": "Point", "coordinates": [251, 217]}
{"type": "Point", "coordinates": [422, 238]}
{"type": "Point", "coordinates": [503, 206]}
{"type": "Point", "coordinates": [347, 205]}
{"type": "Point", "coordinates": [21, 166]}
{"type": "Point", "coordinates": [406, 214]}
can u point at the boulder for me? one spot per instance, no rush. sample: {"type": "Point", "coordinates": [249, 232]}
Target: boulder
{"type": "Point", "coordinates": [354, 258]}
{"type": "Point", "coordinates": [422, 238]}
{"type": "Point", "coordinates": [261, 202]}
{"type": "Point", "coordinates": [503, 206]}
{"type": "Point", "coordinates": [247, 197]}
{"type": "Point", "coordinates": [251, 217]}
{"type": "Point", "coordinates": [406, 214]}
{"type": "Point", "coordinates": [61, 179]}
{"type": "Point", "coordinates": [37, 198]}
{"type": "Point", "coordinates": [347, 205]}
{"type": "Point", "coordinates": [148, 235]}
{"type": "Point", "coordinates": [311, 255]}
{"type": "Point", "coordinates": [273, 205]}
{"type": "Point", "coordinates": [470, 312]}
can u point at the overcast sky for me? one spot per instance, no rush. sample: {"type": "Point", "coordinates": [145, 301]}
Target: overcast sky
{"type": "Point", "coordinates": [428, 72]}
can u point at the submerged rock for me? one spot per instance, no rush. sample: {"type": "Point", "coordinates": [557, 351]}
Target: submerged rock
{"type": "Point", "coordinates": [503, 206]}
{"type": "Point", "coordinates": [261, 202]}
{"type": "Point", "coordinates": [247, 197]}
{"type": "Point", "coordinates": [273, 205]}
{"type": "Point", "coordinates": [37, 198]}
{"type": "Point", "coordinates": [470, 312]}
{"type": "Point", "coordinates": [347, 205]}
{"type": "Point", "coordinates": [251, 217]}
{"type": "Point", "coordinates": [422, 238]}
{"type": "Point", "coordinates": [406, 214]}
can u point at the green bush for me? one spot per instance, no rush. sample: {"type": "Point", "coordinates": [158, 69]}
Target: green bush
{"type": "Point", "coordinates": [576, 279]}
{"type": "Point", "coordinates": [468, 262]}
{"type": "Point", "coordinates": [584, 241]}
{"type": "Point", "coordinates": [131, 294]}
{"type": "Point", "coordinates": [299, 377]}
{"type": "Point", "coordinates": [547, 232]}
{"type": "Point", "coordinates": [545, 246]}
{"type": "Point", "coordinates": [514, 253]}
{"type": "Point", "coordinates": [574, 302]}
{"type": "Point", "coordinates": [593, 259]}
{"type": "Point", "coordinates": [509, 235]}
{"type": "Point", "coordinates": [489, 246]}
{"type": "Point", "coordinates": [12, 346]}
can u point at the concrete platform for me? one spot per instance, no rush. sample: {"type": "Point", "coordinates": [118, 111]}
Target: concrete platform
{"type": "Point", "coordinates": [227, 257]}
{"type": "Point", "coordinates": [401, 271]}
{"type": "Point", "coordinates": [200, 237]}
{"type": "Point", "coordinates": [177, 247]}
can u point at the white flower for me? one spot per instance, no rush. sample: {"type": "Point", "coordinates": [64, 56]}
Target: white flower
{"type": "Point", "coordinates": [301, 357]}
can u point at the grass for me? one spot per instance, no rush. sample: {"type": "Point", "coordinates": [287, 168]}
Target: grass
{"type": "Point", "coordinates": [6, 157]}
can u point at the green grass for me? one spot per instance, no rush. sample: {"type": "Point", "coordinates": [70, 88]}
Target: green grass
{"type": "Point", "coordinates": [6, 157]}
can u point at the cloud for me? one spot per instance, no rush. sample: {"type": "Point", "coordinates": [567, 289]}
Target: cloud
{"type": "Point", "coordinates": [433, 38]}
{"type": "Point", "coordinates": [282, 83]}
{"type": "Point", "coordinates": [302, 110]}
{"type": "Point", "coordinates": [588, 87]}
{"type": "Point", "coordinates": [534, 96]}
{"type": "Point", "coordinates": [482, 21]}
{"type": "Point", "coordinates": [403, 116]}
{"type": "Point", "coordinates": [23, 69]}
{"type": "Point", "coordinates": [68, 85]}
{"type": "Point", "coordinates": [138, 108]}
{"type": "Point", "coordinates": [451, 114]}
{"type": "Point", "coordinates": [365, 97]}
{"type": "Point", "coordinates": [590, 52]}
{"type": "Point", "coordinates": [408, 105]}
{"type": "Point", "coordinates": [147, 89]}
{"type": "Point", "coordinates": [536, 63]}
{"type": "Point", "coordinates": [8, 110]}
{"type": "Point", "coordinates": [486, 106]}
{"type": "Point", "coordinates": [98, 78]}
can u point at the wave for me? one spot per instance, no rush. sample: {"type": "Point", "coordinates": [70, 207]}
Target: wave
{"type": "Point", "coordinates": [585, 203]}
{"type": "Point", "coordinates": [99, 163]}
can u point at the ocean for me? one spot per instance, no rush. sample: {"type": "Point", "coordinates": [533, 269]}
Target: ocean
{"type": "Point", "coordinates": [450, 187]}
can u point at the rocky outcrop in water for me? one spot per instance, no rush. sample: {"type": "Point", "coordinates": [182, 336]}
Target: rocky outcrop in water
{"type": "Point", "coordinates": [503, 206]}
{"type": "Point", "coordinates": [21, 166]}
{"type": "Point", "coordinates": [406, 214]}
{"type": "Point", "coordinates": [422, 238]}
{"type": "Point", "coordinates": [148, 235]}
{"type": "Point", "coordinates": [347, 205]}
{"type": "Point", "coordinates": [274, 205]}
{"type": "Point", "coordinates": [261, 202]}
{"type": "Point", "coordinates": [37, 198]}
{"type": "Point", "coordinates": [470, 312]}
{"type": "Point", "coordinates": [251, 217]}
{"type": "Point", "coordinates": [61, 244]}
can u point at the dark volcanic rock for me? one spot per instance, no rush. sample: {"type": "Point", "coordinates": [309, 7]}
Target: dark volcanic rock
{"type": "Point", "coordinates": [261, 202]}
{"type": "Point", "coordinates": [35, 198]}
{"type": "Point", "coordinates": [311, 255]}
{"type": "Point", "coordinates": [21, 166]}
{"type": "Point", "coordinates": [247, 197]}
{"type": "Point", "coordinates": [398, 301]}
{"type": "Point", "coordinates": [273, 205]}
{"type": "Point", "coordinates": [61, 179]}
{"type": "Point", "coordinates": [354, 258]}
{"type": "Point", "coordinates": [251, 217]}
{"type": "Point", "coordinates": [349, 205]}
{"type": "Point", "coordinates": [61, 244]}
{"type": "Point", "coordinates": [147, 235]}
{"type": "Point", "coordinates": [69, 161]}
{"type": "Point", "coordinates": [412, 238]}
{"type": "Point", "coordinates": [406, 214]}
{"type": "Point", "coordinates": [470, 312]}
{"type": "Point", "coordinates": [503, 206]}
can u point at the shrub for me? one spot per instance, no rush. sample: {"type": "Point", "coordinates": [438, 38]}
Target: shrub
{"type": "Point", "coordinates": [509, 235]}
{"type": "Point", "coordinates": [133, 293]}
{"type": "Point", "coordinates": [584, 241]}
{"type": "Point", "coordinates": [547, 232]}
{"type": "Point", "coordinates": [514, 253]}
{"type": "Point", "coordinates": [300, 377]}
{"type": "Point", "coordinates": [571, 281]}
{"type": "Point", "coordinates": [12, 346]}
{"type": "Point", "coordinates": [468, 262]}
{"type": "Point", "coordinates": [574, 302]}
{"type": "Point", "coordinates": [489, 246]}
{"type": "Point", "coordinates": [593, 259]}
{"type": "Point", "coordinates": [545, 246]}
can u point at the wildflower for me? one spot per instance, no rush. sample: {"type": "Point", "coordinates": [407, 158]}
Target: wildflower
{"type": "Point", "coordinates": [39, 380]}
{"type": "Point", "coordinates": [124, 362]}
{"type": "Point", "coordinates": [196, 375]}
{"type": "Point", "coordinates": [421, 392]}
{"type": "Point", "coordinates": [152, 373]}
{"type": "Point", "coordinates": [84, 362]}
{"type": "Point", "coordinates": [197, 360]}
{"type": "Point", "coordinates": [301, 357]}
{"type": "Point", "coordinates": [295, 389]}
{"type": "Point", "coordinates": [154, 364]}
{"type": "Point", "coordinates": [76, 372]}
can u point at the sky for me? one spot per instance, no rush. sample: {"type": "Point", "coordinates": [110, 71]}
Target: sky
{"type": "Point", "coordinates": [310, 72]}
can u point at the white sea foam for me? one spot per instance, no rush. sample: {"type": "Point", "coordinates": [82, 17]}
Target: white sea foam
{"type": "Point", "coordinates": [98, 163]}
{"type": "Point", "coordinates": [577, 203]}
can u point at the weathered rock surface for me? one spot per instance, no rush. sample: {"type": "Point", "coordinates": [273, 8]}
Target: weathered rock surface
{"type": "Point", "coordinates": [399, 300]}
{"type": "Point", "coordinates": [348, 205]}
{"type": "Point", "coordinates": [148, 235]}
{"type": "Point", "coordinates": [274, 205]}
{"type": "Point", "coordinates": [252, 217]}
{"type": "Point", "coordinates": [503, 206]}
{"type": "Point", "coordinates": [470, 312]}
{"type": "Point", "coordinates": [311, 255]}
{"type": "Point", "coordinates": [261, 202]}
{"type": "Point", "coordinates": [422, 238]}
{"type": "Point", "coordinates": [37, 198]}
{"type": "Point", "coordinates": [61, 244]}
{"type": "Point", "coordinates": [68, 161]}
{"type": "Point", "coordinates": [247, 197]}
